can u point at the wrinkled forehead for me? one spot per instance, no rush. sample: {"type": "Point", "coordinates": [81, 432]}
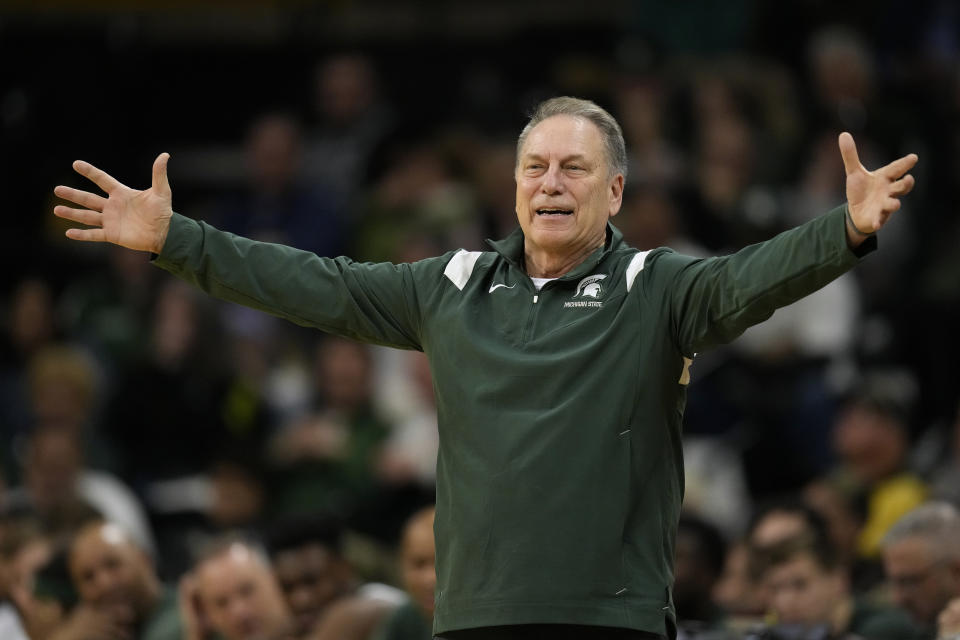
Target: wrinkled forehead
{"type": "Point", "coordinates": [564, 135]}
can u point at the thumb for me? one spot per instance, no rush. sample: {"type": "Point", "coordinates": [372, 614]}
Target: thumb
{"type": "Point", "coordinates": [848, 150]}
{"type": "Point", "coordinates": [160, 183]}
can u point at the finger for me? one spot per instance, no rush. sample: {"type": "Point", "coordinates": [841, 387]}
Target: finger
{"type": "Point", "coordinates": [900, 166]}
{"type": "Point", "coordinates": [100, 178]}
{"type": "Point", "coordinates": [87, 235]}
{"type": "Point", "coordinates": [160, 183]}
{"type": "Point", "coordinates": [83, 198]}
{"type": "Point", "coordinates": [903, 186]}
{"type": "Point", "coordinates": [848, 150]}
{"type": "Point", "coordinates": [83, 216]}
{"type": "Point", "coordinates": [890, 205]}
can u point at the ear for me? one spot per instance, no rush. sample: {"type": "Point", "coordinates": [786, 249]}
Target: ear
{"type": "Point", "coordinates": [616, 194]}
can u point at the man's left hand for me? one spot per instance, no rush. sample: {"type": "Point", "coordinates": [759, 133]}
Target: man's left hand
{"type": "Point", "coordinates": [873, 196]}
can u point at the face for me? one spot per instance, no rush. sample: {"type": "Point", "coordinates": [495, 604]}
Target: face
{"type": "Point", "coordinates": [735, 591]}
{"type": "Point", "coordinates": [240, 596]}
{"type": "Point", "coordinates": [873, 445]}
{"type": "Point", "coordinates": [803, 593]}
{"type": "Point", "coordinates": [565, 190]}
{"type": "Point", "coordinates": [417, 552]}
{"type": "Point", "coordinates": [110, 573]}
{"type": "Point", "coordinates": [920, 583]}
{"type": "Point", "coordinates": [311, 578]}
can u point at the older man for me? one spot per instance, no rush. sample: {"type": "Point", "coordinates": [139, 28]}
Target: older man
{"type": "Point", "coordinates": [560, 358]}
{"type": "Point", "coordinates": [120, 594]}
{"type": "Point", "coordinates": [232, 593]}
{"type": "Point", "coordinates": [921, 557]}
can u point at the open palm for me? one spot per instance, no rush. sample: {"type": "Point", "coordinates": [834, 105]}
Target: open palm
{"type": "Point", "coordinates": [873, 196]}
{"type": "Point", "coordinates": [126, 217]}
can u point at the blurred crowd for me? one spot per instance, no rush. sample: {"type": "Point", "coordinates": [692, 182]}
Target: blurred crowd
{"type": "Point", "coordinates": [165, 456]}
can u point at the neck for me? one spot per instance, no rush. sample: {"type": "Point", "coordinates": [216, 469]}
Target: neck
{"type": "Point", "coordinates": [545, 264]}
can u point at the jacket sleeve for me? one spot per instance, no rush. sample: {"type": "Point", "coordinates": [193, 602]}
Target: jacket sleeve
{"type": "Point", "coordinates": [375, 303]}
{"type": "Point", "coordinates": [712, 301]}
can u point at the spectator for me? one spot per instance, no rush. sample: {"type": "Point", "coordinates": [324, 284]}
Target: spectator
{"type": "Point", "coordinates": [232, 592]}
{"type": "Point", "coordinates": [700, 552]}
{"type": "Point", "coordinates": [177, 379]}
{"type": "Point", "coordinates": [809, 588]}
{"type": "Point", "coordinates": [413, 620]}
{"type": "Point", "coordinates": [325, 458]}
{"type": "Point", "coordinates": [120, 593]}
{"type": "Point", "coordinates": [352, 121]}
{"type": "Point", "coordinates": [30, 328]}
{"type": "Point", "coordinates": [737, 591]}
{"type": "Point", "coordinates": [871, 437]}
{"type": "Point", "coordinates": [272, 205]}
{"type": "Point", "coordinates": [313, 573]}
{"type": "Point", "coordinates": [921, 556]}
{"type": "Point", "coordinates": [66, 494]}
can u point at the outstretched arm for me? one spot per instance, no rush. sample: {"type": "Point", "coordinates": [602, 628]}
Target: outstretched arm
{"type": "Point", "coordinates": [126, 217]}
{"type": "Point", "coordinates": [367, 302]}
{"type": "Point", "coordinates": [714, 300]}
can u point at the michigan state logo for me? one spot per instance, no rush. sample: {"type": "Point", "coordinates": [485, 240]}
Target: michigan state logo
{"type": "Point", "coordinates": [590, 287]}
{"type": "Point", "coordinates": [588, 293]}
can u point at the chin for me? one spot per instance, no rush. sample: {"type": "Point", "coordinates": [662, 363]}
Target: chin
{"type": "Point", "coordinates": [552, 238]}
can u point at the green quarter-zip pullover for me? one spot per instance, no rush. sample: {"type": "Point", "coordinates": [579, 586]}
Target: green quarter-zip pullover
{"type": "Point", "coordinates": [560, 471]}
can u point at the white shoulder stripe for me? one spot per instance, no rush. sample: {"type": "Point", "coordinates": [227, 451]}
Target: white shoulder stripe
{"type": "Point", "coordinates": [635, 267]}
{"type": "Point", "coordinates": [461, 266]}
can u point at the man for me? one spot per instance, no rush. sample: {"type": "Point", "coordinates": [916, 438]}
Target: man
{"type": "Point", "coordinates": [313, 574]}
{"type": "Point", "coordinates": [413, 620]}
{"type": "Point", "coordinates": [232, 592]}
{"type": "Point", "coordinates": [809, 589]}
{"type": "Point", "coordinates": [559, 475]}
{"type": "Point", "coordinates": [921, 557]}
{"type": "Point", "coordinates": [120, 594]}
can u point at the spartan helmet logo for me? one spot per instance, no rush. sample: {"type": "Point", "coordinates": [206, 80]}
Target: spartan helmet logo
{"type": "Point", "coordinates": [590, 287]}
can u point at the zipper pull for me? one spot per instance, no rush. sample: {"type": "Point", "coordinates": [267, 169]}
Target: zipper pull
{"type": "Point", "coordinates": [535, 299]}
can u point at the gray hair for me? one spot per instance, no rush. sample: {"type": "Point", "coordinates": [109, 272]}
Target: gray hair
{"type": "Point", "coordinates": [567, 106]}
{"type": "Point", "coordinates": [937, 522]}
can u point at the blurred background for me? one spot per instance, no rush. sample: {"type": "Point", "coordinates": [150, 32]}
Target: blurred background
{"type": "Point", "coordinates": [386, 131]}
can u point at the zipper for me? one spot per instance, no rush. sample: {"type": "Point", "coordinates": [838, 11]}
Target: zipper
{"type": "Point", "coordinates": [532, 318]}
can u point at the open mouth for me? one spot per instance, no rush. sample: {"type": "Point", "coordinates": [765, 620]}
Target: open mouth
{"type": "Point", "coordinates": [554, 212]}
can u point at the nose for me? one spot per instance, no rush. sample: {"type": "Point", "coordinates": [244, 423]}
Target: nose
{"type": "Point", "coordinates": [552, 182]}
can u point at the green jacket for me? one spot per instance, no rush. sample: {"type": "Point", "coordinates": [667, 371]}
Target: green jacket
{"type": "Point", "coordinates": [560, 472]}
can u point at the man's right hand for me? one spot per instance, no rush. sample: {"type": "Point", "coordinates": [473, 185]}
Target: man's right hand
{"type": "Point", "coordinates": [133, 219]}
